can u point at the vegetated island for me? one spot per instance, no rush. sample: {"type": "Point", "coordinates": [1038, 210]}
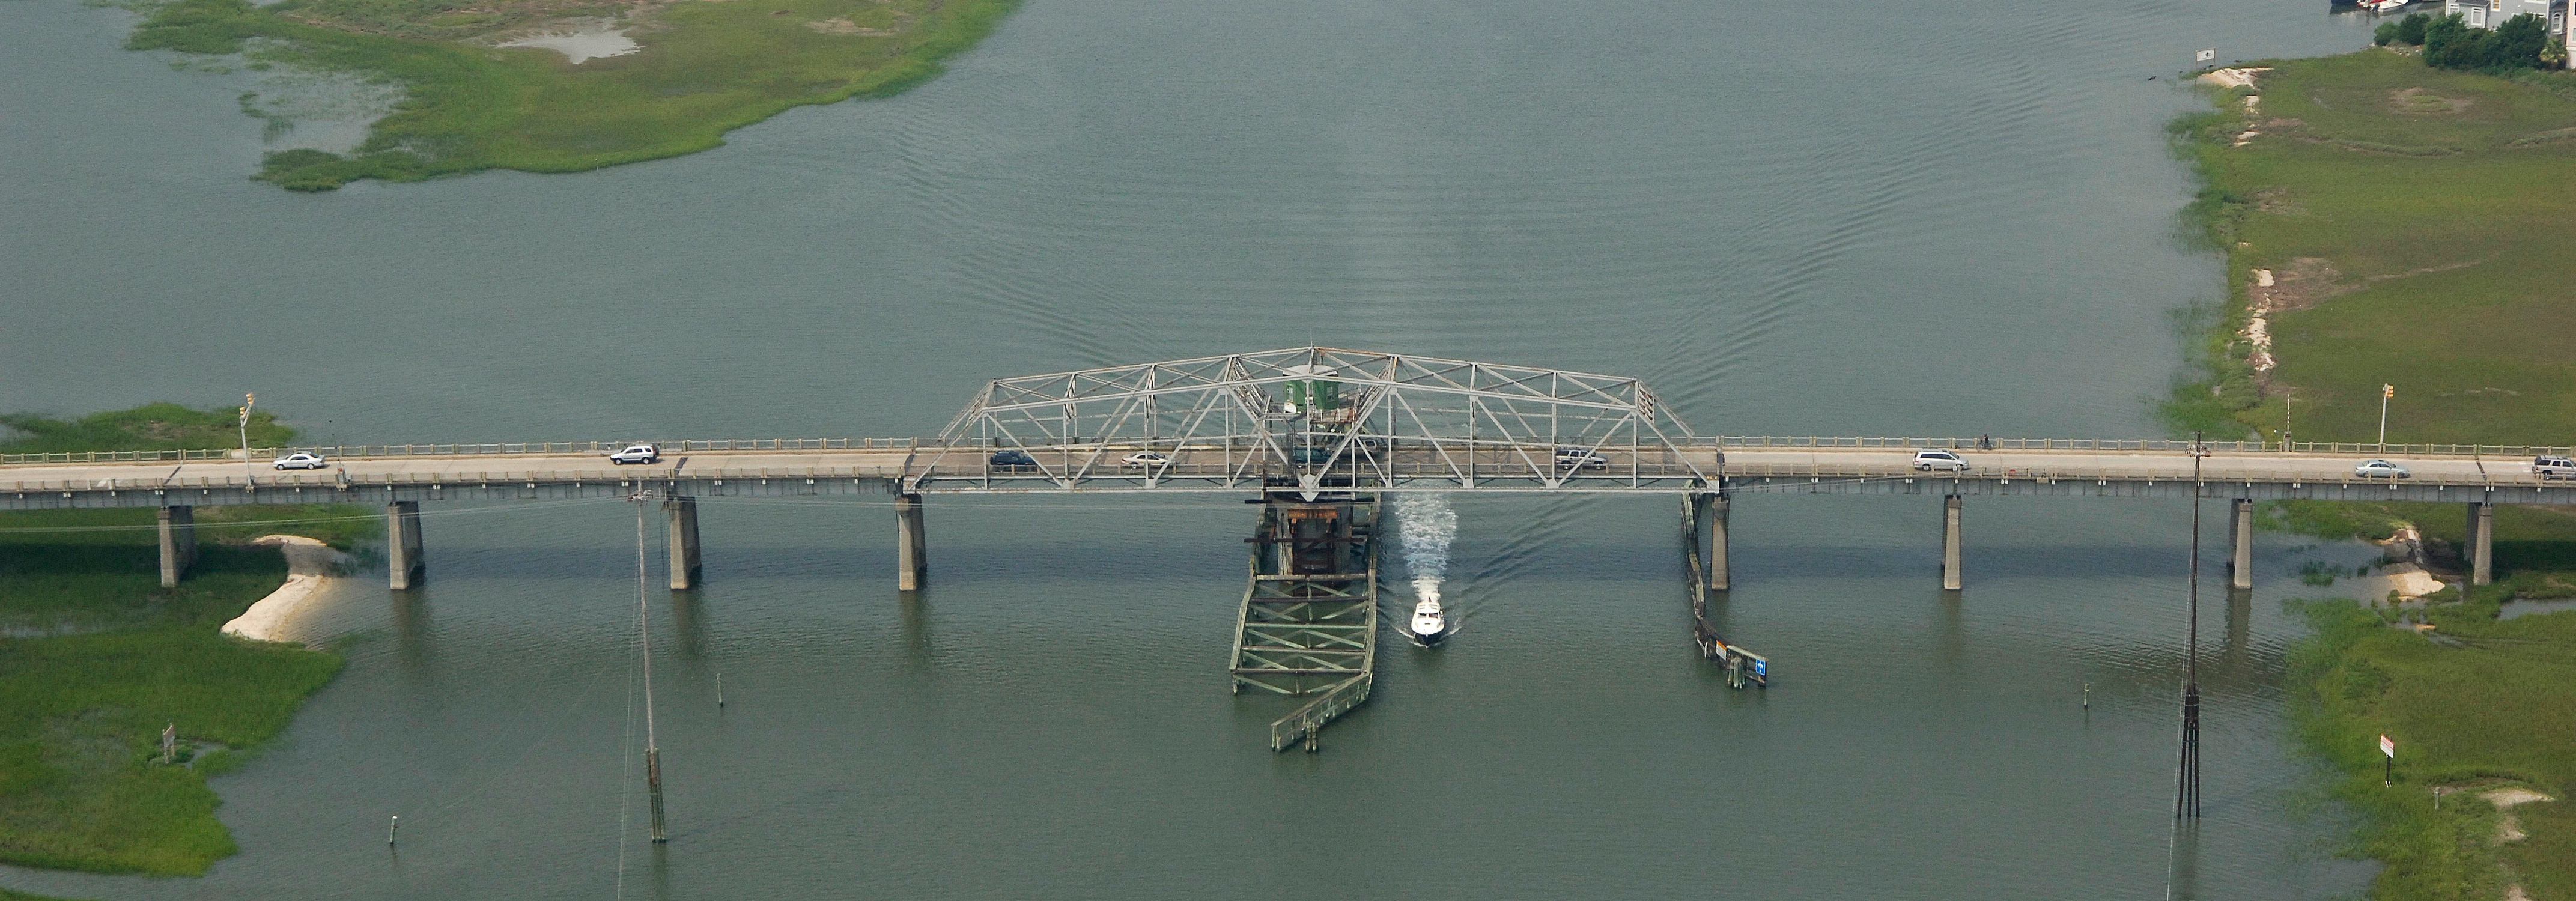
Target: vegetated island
{"type": "Point", "coordinates": [2390, 221]}
{"type": "Point", "coordinates": [96, 658]}
{"type": "Point", "coordinates": [569, 85]}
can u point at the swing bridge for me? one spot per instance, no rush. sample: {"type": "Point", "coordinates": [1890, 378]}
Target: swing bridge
{"type": "Point", "coordinates": [1319, 437]}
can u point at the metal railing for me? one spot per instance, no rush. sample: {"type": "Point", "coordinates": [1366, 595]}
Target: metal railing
{"type": "Point", "coordinates": [314, 479]}
{"type": "Point", "coordinates": [2133, 445]}
{"type": "Point", "coordinates": [453, 450]}
{"type": "Point", "coordinates": [1817, 442]}
{"type": "Point", "coordinates": [2226, 476]}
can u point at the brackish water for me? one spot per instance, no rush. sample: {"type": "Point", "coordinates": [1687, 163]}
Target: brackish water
{"type": "Point", "coordinates": [1838, 219]}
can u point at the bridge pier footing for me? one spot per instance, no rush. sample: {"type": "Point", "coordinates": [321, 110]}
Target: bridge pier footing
{"type": "Point", "coordinates": [912, 569]}
{"type": "Point", "coordinates": [178, 543]}
{"type": "Point", "coordinates": [2477, 549]}
{"type": "Point", "coordinates": [682, 515]}
{"type": "Point", "coordinates": [402, 544]}
{"type": "Point", "coordinates": [2240, 535]}
{"type": "Point", "coordinates": [1950, 577]}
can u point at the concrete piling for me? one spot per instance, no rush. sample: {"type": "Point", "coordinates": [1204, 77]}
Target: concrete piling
{"type": "Point", "coordinates": [402, 543]}
{"type": "Point", "coordinates": [1950, 578]}
{"type": "Point", "coordinates": [681, 513]}
{"type": "Point", "coordinates": [2477, 549]}
{"type": "Point", "coordinates": [2240, 557]}
{"type": "Point", "coordinates": [178, 543]}
{"type": "Point", "coordinates": [912, 570]}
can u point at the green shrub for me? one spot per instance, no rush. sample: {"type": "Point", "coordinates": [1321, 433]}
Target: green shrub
{"type": "Point", "coordinates": [162, 426]}
{"type": "Point", "coordinates": [2451, 44]}
{"type": "Point", "coordinates": [2410, 30]}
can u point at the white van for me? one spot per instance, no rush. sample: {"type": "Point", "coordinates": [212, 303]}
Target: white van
{"type": "Point", "coordinates": [2554, 467]}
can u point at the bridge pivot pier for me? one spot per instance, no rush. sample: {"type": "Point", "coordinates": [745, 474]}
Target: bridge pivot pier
{"type": "Point", "coordinates": [1708, 514]}
{"type": "Point", "coordinates": [1950, 557]}
{"type": "Point", "coordinates": [2477, 548]}
{"type": "Point", "coordinates": [178, 543]}
{"type": "Point", "coordinates": [682, 516]}
{"type": "Point", "coordinates": [912, 568]}
{"type": "Point", "coordinates": [402, 544]}
{"type": "Point", "coordinates": [2240, 556]}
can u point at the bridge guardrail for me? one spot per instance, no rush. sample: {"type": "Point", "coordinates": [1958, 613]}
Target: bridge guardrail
{"type": "Point", "coordinates": [2131, 444]}
{"type": "Point", "coordinates": [694, 445]}
{"type": "Point", "coordinates": [450, 450]}
{"type": "Point", "coordinates": [2179, 474]}
{"type": "Point", "coordinates": [320, 479]}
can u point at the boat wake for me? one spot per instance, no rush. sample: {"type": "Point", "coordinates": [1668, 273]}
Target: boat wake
{"type": "Point", "coordinates": [1425, 527]}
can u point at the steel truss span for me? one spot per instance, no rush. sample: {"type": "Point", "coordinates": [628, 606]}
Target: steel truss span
{"type": "Point", "coordinates": [1313, 419]}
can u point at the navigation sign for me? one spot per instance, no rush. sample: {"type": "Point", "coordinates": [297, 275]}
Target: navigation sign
{"type": "Point", "coordinates": [2387, 747]}
{"type": "Point", "coordinates": [2205, 56]}
{"type": "Point", "coordinates": [2388, 768]}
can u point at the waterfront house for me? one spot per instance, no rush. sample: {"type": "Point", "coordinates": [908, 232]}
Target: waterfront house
{"type": "Point", "coordinates": [2491, 14]}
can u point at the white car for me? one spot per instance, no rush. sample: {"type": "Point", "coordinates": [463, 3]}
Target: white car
{"type": "Point", "coordinates": [1146, 460]}
{"type": "Point", "coordinates": [2554, 467]}
{"type": "Point", "coordinates": [1928, 460]}
{"type": "Point", "coordinates": [1579, 458]}
{"type": "Point", "coordinates": [636, 453]}
{"type": "Point", "coordinates": [299, 460]}
{"type": "Point", "coordinates": [2380, 469]}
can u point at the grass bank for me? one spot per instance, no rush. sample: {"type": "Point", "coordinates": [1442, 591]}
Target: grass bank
{"type": "Point", "coordinates": [96, 658]}
{"type": "Point", "coordinates": [705, 67]}
{"type": "Point", "coordinates": [2413, 221]}
{"type": "Point", "coordinates": [2486, 707]}
{"type": "Point", "coordinates": [2385, 222]}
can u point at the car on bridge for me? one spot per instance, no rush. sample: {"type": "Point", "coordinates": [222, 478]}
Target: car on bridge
{"type": "Point", "coordinates": [299, 460]}
{"type": "Point", "coordinates": [2380, 469]}
{"type": "Point", "coordinates": [1580, 458]}
{"type": "Point", "coordinates": [1928, 460]}
{"type": "Point", "coordinates": [2554, 467]}
{"type": "Point", "coordinates": [1011, 457]}
{"type": "Point", "coordinates": [636, 453]}
{"type": "Point", "coordinates": [1146, 460]}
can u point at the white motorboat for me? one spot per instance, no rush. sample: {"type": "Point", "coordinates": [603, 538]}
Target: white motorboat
{"type": "Point", "coordinates": [2381, 6]}
{"type": "Point", "coordinates": [1429, 626]}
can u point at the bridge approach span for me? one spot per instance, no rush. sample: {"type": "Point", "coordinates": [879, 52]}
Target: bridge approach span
{"type": "Point", "coordinates": [1727, 465]}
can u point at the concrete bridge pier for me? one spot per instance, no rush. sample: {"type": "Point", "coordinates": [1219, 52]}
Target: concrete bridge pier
{"type": "Point", "coordinates": [2477, 548]}
{"type": "Point", "coordinates": [1950, 578]}
{"type": "Point", "coordinates": [402, 543]}
{"type": "Point", "coordinates": [912, 570]}
{"type": "Point", "coordinates": [682, 515]}
{"type": "Point", "coordinates": [2240, 557]}
{"type": "Point", "coordinates": [1708, 538]}
{"type": "Point", "coordinates": [178, 543]}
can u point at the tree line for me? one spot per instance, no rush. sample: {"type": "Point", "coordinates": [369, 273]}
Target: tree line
{"type": "Point", "coordinates": [2522, 42]}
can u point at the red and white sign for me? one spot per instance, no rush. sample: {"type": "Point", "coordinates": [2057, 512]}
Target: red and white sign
{"type": "Point", "coordinates": [2387, 747]}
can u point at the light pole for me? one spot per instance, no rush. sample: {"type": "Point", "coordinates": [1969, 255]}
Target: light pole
{"type": "Point", "coordinates": [2386, 391]}
{"type": "Point", "coordinates": [249, 476]}
{"type": "Point", "coordinates": [2292, 397]}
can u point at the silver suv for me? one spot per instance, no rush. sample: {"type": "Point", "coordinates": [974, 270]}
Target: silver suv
{"type": "Point", "coordinates": [1928, 460]}
{"type": "Point", "coordinates": [2554, 467]}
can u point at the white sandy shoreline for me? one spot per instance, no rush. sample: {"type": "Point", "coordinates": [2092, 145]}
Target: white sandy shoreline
{"type": "Point", "coordinates": [309, 566]}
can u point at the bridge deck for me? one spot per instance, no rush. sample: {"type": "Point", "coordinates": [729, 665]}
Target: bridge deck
{"type": "Point", "coordinates": [2120, 472]}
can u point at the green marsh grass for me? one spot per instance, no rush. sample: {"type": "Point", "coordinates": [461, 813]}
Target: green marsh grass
{"type": "Point", "coordinates": [102, 657]}
{"type": "Point", "coordinates": [706, 68]}
{"type": "Point", "coordinates": [2440, 200]}
{"type": "Point", "coordinates": [2485, 709]}
{"type": "Point", "coordinates": [96, 657]}
{"type": "Point", "coordinates": [2430, 208]}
